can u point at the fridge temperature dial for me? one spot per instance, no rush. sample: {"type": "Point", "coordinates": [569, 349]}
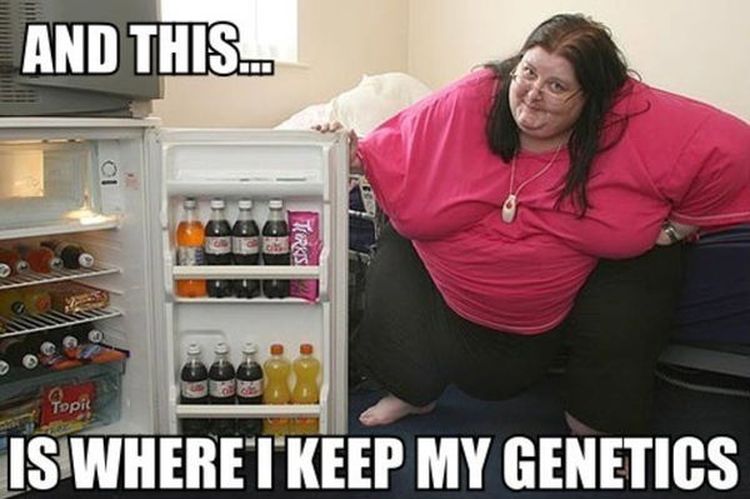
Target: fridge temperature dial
{"type": "Point", "coordinates": [109, 169]}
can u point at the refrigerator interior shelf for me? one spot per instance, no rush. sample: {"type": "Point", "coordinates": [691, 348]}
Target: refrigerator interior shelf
{"type": "Point", "coordinates": [53, 319]}
{"type": "Point", "coordinates": [34, 278]}
{"type": "Point", "coordinates": [245, 272]}
{"type": "Point", "coordinates": [239, 410]}
{"type": "Point", "coordinates": [244, 301]}
{"type": "Point", "coordinates": [71, 227]}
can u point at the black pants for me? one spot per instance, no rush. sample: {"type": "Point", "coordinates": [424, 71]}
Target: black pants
{"type": "Point", "coordinates": [415, 345]}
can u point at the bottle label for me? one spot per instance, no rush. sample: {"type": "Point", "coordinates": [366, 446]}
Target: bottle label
{"type": "Point", "coordinates": [194, 389]}
{"type": "Point", "coordinates": [276, 245]}
{"type": "Point", "coordinates": [249, 389]}
{"type": "Point", "coordinates": [190, 255]}
{"type": "Point", "coordinates": [221, 245]}
{"type": "Point", "coordinates": [221, 389]}
{"type": "Point", "coordinates": [245, 245]}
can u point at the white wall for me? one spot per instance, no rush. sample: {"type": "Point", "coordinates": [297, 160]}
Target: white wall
{"type": "Point", "coordinates": [340, 40]}
{"type": "Point", "coordinates": [698, 48]}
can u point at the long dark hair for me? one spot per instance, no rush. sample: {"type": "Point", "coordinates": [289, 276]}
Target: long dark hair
{"type": "Point", "coordinates": [601, 70]}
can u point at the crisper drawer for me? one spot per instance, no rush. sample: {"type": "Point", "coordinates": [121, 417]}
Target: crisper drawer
{"type": "Point", "coordinates": [60, 403]}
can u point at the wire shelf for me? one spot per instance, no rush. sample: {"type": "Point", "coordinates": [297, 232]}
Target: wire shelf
{"type": "Point", "coordinates": [53, 319]}
{"type": "Point", "coordinates": [34, 278]}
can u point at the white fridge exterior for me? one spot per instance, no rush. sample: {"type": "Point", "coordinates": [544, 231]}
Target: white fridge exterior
{"type": "Point", "coordinates": [141, 172]}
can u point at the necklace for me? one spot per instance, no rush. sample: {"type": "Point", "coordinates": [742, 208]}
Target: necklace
{"type": "Point", "coordinates": [510, 205]}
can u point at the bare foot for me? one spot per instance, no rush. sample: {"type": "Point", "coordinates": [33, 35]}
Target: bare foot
{"type": "Point", "coordinates": [390, 409]}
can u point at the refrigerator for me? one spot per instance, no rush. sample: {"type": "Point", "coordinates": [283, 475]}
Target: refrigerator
{"type": "Point", "coordinates": [116, 186]}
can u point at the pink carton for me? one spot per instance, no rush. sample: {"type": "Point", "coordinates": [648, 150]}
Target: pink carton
{"type": "Point", "coordinates": [305, 246]}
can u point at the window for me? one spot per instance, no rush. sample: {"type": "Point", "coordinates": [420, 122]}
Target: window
{"type": "Point", "coordinates": [268, 28]}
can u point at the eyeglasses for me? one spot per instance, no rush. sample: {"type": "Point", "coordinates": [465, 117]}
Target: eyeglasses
{"type": "Point", "coordinates": [553, 90]}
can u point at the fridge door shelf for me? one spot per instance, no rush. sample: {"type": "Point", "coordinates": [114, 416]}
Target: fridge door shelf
{"type": "Point", "coordinates": [54, 319]}
{"type": "Point", "coordinates": [257, 188]}
{"type": "Point", "coordinates": [239, 411]}
{"type": "Point", "coordinates": [246, 272]}
{"type": "Point", "coordinates": [34, 278]}
{"type": "Point", "coordinates": [246, 301]}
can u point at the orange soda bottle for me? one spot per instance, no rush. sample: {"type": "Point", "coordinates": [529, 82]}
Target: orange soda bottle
{"type": "Point", "coordinates": [41, 259]}
{"type": "Point", "coordinates": [306, 369]}
{"type": "Point", "coordinates": [190, 250]}
{"type": "Point", "coordinates": [276, 370]}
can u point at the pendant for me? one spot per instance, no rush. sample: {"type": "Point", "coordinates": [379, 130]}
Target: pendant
{"type": "Point", "coordinates": [509, 208]}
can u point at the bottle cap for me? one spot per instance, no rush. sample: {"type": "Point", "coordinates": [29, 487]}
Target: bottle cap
{"type": "Point", "coordinates": [22, 266]}
{"type": "Point", "coordinates": [277, 349]}
{"type": "Point", "coordinates": [189, 203]}
{"type": "Point", "coordinates": [276, 204]}
{"type": "Point", "coordinates": [95, 336]}
{"type": "Point", "coordinates": [194, 349]}
{"type": "Point", "coordinates": [221, 348]}
{"type": "Point", "coordinates": [245, 204]}
{"type": "Point", "coordinates": [4, 270]}
{"type": "Point", "coordinates": [306, 349]}
{"type": "Point", "coordinates": [217, 204]}
{"type": "Point", "coordinates": [86, 260]}
{"type": "Point", "coordinates": [249, 348]}
{"type": "Point", "coordinates": [4, 368]}
{"type": "Point", "coordinates": [48, 348]}
{"type": "Point", "coordinates": [30, 361]}
{"type": "Point", "coordinates": [56, 263]}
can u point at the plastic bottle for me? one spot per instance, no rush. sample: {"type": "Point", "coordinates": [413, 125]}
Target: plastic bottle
{"type": "Point", "coordinates": [194, 390]}
{"type": "Point", "coordinates": [16, 353]}
{"type": "Point", "coordinates": [41, 259]}
{"type": "Point", "coordinates": [222, 389]}
{"type": "Point", "coordinates": [246, 248]}
{"type": "Point", "coordinates": [218, 248]}
{"type": "Point", "coordinates": [276, 248]}
{"type": "Point", "coordinates": [276, 370]}
{"type": "Point", "coordinates": [189, 240]}
{"type": "Point", "coordinates": [13, 260]}
{"type": "Point", "coordinates": [249, 389]}
{"type": "Point", "coordinates": [36, 300]}
{"type": "Point", "coordinates": [11, 304]}
{"type": "Point", "coordinates": [306, 369]}
{"type": "Point", "coordinates": [73, 255]}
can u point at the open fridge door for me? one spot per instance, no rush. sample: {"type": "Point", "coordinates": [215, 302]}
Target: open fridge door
{"type": "Point", "coordinates": [308, 172]}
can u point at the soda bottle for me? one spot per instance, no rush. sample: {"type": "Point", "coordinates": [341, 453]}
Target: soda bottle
{"type": "Point", "coordinates": [16, 353]}
{"type": "Point", "coordinates": [249, 389]}
{"type": "Point", "coordinates": [306, 368]}
{"type": "Point", "coordinates": [13, 260]}
{"type": "Point", "coordinates": [218, 248]}
{"type": "Point", "coordinates": [222, 388]}
{"type": "Point", "coordinates": [246, 248]}
{"type": "Point", "coordinates": [36, 300]}
{"type": "Point", "coordinates": [194, 390]}
{"type": "Point", "coordinates": [41, 259]}
{"type": "Point", "coordinates": [190, 250]}
{"type": "Point", "coordinates": [276, 370]}
{"type": "Point", "coordinates": [275, 248]}
{"type": "Point", "coordinates": [73, 255]}
{"type": "Point", "coordinates": [11, 304]}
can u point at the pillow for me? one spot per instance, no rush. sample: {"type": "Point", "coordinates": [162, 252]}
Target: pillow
{"type": "Point", "coordinates": [375, 99]}
{"type": "Point", "coordinates": [317, 114]}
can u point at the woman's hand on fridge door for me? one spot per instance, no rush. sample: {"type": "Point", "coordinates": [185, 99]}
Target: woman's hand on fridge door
{"type": "Point", "coordinates": [355, 163]}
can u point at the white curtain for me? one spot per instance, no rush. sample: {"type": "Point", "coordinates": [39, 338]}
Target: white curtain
{"type": "Point", "coordinates": [268, 28]}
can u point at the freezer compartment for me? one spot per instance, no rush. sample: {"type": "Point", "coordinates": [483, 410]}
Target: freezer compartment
{"type": "Point", "coordinates": [60, 403]}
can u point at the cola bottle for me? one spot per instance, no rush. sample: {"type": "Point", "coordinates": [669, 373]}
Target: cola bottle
{"type": "Point", "coordinates": [222, 388]}
{"type": "Point", "coordinates": [73, 255]}
{"type": "Point", "coordinates": [276, 248]}
{"type": "Point", "coordinates": [249, 389]}
{"type": "Point", "coordinates": [194, 390]}
{"type": "Point", "coordinates": [16, 353]}
{"type": "Point", "coordinates": [218, 248]}
{"type": "Point", "coordinates": [246, 248]}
